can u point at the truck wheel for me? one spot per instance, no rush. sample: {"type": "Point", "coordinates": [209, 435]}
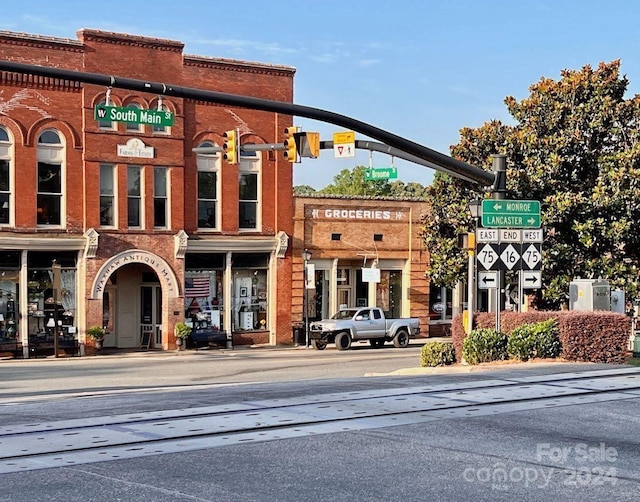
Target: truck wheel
{"type": "Point", "coordinates": [318, 344]}
{"type": "Point", "coordinates": [377, 343]}
{"type": "Point", "coordinates": [343, 341]}
{"type": "Point", "coordinates": [401, 339]}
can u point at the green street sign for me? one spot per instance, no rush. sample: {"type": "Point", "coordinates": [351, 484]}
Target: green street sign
{"type": "Point", "coordinates": [381, 173]}
{"type": "Point", "coordinates": [510, 213]}
{"type": "Point", "coordinates": [133, 115]}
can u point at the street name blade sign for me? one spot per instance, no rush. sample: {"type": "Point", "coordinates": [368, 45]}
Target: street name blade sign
{"type": "Point", "coordinates": [344, 144]}
{"type": "Point", "coordinates": [502, 213]}
{"type": "Point", "coordinates": [381, 173]}
{"type": "Point", "coordinates": [133, 115]}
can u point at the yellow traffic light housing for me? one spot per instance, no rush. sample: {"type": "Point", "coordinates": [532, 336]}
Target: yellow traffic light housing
{"type": "Point", "coordinates": [230, 147]}
{"type": "Point", "coordinates": [290, 149]}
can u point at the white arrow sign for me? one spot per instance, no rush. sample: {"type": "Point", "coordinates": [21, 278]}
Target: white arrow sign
{"type": "Point", "coordinates": [487, 280]}
{"type": "Point", "coordinates": [531, 279]}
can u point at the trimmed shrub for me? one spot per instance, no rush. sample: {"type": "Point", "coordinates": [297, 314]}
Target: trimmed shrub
{"type": "Point", "coordinates": [437, 354]}
{"type": "Point", "coordinates": [531, 340]}
{"type": "Point", "coordinates": [484, 345]}
{"type": "Point", "coordinates": [599, 336]}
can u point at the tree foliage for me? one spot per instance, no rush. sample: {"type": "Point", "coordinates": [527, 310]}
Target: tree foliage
{"type": "Point", "coordinates": [574, 147]}
{"type": "Point", "coordinates": [353, 182]}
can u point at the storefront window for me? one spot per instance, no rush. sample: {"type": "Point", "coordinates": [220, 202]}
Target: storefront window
{"type": "Point", "coordinates": [249, 289]}
{"type": "Point", "coordinates": [43, 311]}
{"type": "Point", "coordinates": [203, 291]}
{"type": "Point", "coordinates": [440, 306]}
{"type": "Point", "coordinates": [389, 293]}
{"type": "Point", "coordinates": [9, 293]}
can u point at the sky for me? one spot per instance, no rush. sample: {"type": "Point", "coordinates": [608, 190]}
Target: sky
{"type": "Point", "coordinates": [421, 69]}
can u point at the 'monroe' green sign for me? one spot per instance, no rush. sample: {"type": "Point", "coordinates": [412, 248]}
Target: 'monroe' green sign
{"type": "Point", "coordinates": [133, 115]}
{"type": "Point", "coordinates": [502, 213]}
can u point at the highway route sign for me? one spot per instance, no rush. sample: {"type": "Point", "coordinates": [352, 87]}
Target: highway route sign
{"type": "Point", "coordinates": [531, 279]}
{"type": "Point", "coordinates": [488, 257]}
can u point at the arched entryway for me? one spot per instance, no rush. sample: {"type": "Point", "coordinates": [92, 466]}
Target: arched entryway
{"type": "Point", "coordinates": [136, 290]}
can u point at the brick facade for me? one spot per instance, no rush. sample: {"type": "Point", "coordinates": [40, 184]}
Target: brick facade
{"type": "Point", "coordinates": [31, 105]}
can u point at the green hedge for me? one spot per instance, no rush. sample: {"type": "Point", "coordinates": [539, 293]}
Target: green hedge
{"type": "Point", "coordinates": [437, 354]}
{"type": "Point", "coordinates": [532, 340]}
{"type": "Point", "coordinates": [484, 345]}
{"type": "Point", "coordinates": [584, 336]}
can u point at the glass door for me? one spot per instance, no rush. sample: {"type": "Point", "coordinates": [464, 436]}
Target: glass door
{"type": "Point", "coordinates": [151, 316]}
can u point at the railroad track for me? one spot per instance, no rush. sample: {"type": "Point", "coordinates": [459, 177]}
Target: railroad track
{"type": "Point", "coordinates": [46, 445]}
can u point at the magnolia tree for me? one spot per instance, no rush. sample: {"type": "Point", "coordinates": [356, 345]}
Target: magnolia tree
{"type": "Point", "coordinates": [574, 147]}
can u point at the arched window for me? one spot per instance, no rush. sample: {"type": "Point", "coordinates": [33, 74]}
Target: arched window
{"type": "Point", "coordinates": [208, 188]}
{"type": "Point", "coordinates": [6, 176]}
{"type": "Point", "coordinates": [158, 129]}
{"type": "Point", "coordinates": [106, 124]}
{"type": "Point", "coordinates": [132, 126]}
{"type": "Point", "coordinates": [50, 178]}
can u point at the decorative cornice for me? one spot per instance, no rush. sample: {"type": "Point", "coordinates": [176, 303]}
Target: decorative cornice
{"type": "Point", "coordinates": [40, 41]}
{"type": "Point", "coordinates": [263, 244]}
{"type": "Point", "coordinates": [238, 65]}
{"type": "Point", "coordinates": [109, 37]}
{"type": "Point", "coordinates": [42, 243]}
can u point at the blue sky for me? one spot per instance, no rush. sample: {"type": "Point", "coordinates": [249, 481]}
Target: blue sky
{"type": "Point", "coordinates": [420, 69]}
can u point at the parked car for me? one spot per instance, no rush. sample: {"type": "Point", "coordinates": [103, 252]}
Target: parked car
{"type": "Point", "coordinates": [366, 323]}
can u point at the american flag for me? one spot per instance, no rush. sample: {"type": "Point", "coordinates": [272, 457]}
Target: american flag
{"type": "Point", "coordinates": [196, 287]}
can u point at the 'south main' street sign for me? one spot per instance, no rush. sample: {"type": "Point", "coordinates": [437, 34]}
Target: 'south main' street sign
{"type": "Point", "coordinates": [510, 213]}
{"type": "Point", "coordinates": [133, 115]}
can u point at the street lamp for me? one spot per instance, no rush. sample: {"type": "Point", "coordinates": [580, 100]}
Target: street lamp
{"type": "Point", "coordinates": [306, 256]}
{"type": "Point", "coordinates": [475, 209]}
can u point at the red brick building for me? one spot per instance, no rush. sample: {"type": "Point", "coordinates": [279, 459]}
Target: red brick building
{"type": "Point", "coordinates": [146, 232]}
{"type": "Point", "coordinates": [363, 252]}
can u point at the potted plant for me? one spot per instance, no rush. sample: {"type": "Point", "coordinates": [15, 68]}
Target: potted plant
{"type": "Point", "coordinates": [181, 331]}
{"type": "Point", "coordinates": [97, 334]}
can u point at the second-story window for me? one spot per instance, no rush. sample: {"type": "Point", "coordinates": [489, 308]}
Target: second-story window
{"type": "Point", "coordinates": [249, 192]}
{"type": "Point", "coordinates": [160, 206]}
{"type": "Point", "coordinates": [107, 194]}
{"type": "Point", "coordinates": [134, 197]}
{"type": "Point", "coordinates": [131, 126]}
{"type": "Point", "coordinates": [208, 169]}
{"type": "Point", "coordinates": [5, 177]}
{"type": "Point", "coordinates": [50, 186]}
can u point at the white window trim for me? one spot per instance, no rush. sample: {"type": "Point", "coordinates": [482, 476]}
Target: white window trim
{"type": "Point", "coordinates": [7, 152]}
{"type": "Point", "coordinates": [252, 165]}
{"type": "Point", "coordinates": [211, 163]}
{"type": "Point", "coordinates": [167, 198]}
{"type": "Point", "coordinates": [55, 154]}
{"type": "Point", "coordinates": [140, 198]}
{"type": "Point", "coordinates": [114, 174]}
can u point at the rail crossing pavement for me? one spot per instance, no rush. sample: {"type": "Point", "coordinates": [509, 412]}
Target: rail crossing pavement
{"type": "Point", "coordinates": [65, 443]}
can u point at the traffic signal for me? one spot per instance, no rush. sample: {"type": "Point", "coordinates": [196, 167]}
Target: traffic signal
{"type": "Point", "coordinates": [290, 150]}
{"type": "Point", "coordinates": [230, 147]}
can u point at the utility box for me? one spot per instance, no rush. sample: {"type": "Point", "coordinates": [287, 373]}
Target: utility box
{"type": "Point", "coordinates": [617, 302]}
{"type": "Point", "coordinates": [589, 294]}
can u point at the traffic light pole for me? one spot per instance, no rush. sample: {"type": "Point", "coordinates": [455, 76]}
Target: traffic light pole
{"type": "Point", "coordinates": [448, 164]}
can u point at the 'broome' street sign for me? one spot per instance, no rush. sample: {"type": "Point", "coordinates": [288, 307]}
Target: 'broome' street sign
{"type": "Point", "coordinates": [510, 213]}
{"type": "Point", "coordinates": [133, 115]}
{"type": "Point", "coordinates": [381, 173]}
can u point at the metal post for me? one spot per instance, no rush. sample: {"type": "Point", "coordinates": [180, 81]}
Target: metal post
{"type": "Point", "coordinates": [471, 245]}
{"type": "Point", "coordinates": [306, 256]}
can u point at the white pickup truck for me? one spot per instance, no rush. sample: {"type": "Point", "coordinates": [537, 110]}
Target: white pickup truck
{"type": "Point", "coordinates": [365, 323]}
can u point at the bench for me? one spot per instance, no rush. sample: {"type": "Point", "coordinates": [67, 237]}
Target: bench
{"type": "Point", "coordinates": [206, 337]}
{"type": "Point", "coordinates": [45, 344]}
{"type": "Point", "coordinates": [11, 345]}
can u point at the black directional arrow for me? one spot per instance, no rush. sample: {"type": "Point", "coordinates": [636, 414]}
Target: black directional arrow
{"type": "Point", "coordinates": [486, 279]}
{"type": "Point", "coordinates": [531, 279]}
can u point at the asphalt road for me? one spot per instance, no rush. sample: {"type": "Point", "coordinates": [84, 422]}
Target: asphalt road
{"type": "Point", "coordinates": [517, 432]}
